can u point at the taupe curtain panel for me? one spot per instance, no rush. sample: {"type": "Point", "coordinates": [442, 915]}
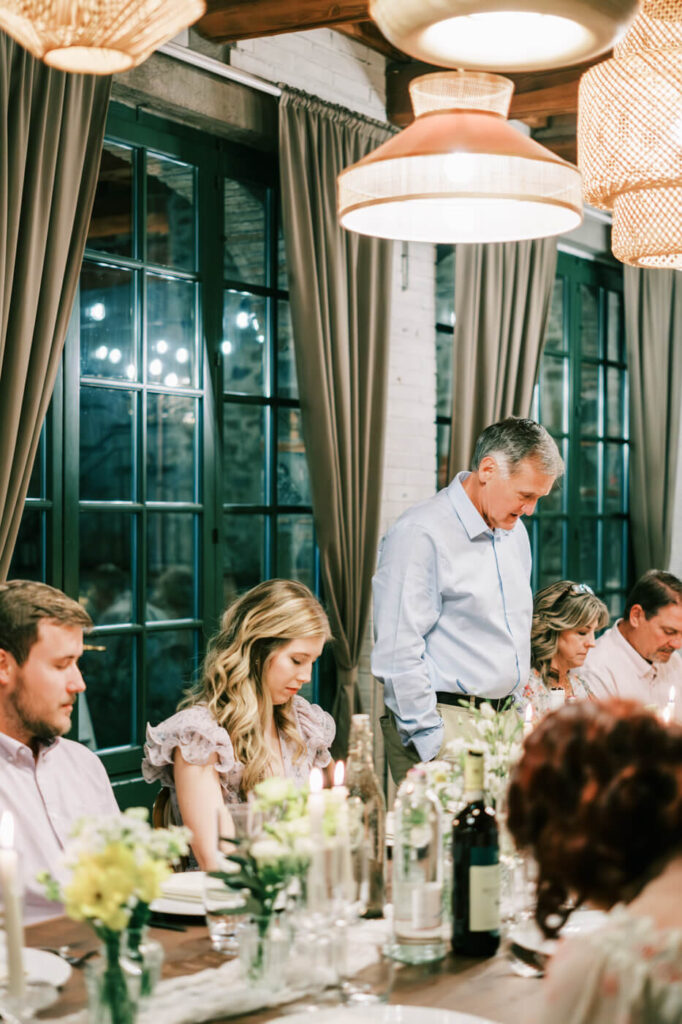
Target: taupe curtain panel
{"type": "Point", "coordinates": [503, 294]}
{"type": "Point", "coordinates": [340, 291]}
{"type": "Point", "coordinates": [51, 130]}
{"type": "Point", "coordinates": [653, 334]}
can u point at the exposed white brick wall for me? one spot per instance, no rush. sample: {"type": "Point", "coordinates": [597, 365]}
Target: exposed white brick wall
{"type": "Point", "coordinates": [323, 63]}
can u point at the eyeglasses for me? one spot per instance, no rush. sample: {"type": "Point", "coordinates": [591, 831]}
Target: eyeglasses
{"type": "Point", "coordinates": [576, 588]}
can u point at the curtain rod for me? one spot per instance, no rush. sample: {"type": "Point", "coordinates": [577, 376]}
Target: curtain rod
{"type": "Point", "coordinates": [216, 67]}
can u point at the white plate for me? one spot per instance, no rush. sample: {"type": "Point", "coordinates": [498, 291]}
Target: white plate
{"type": "Point", "coordinates": [385, 1015]}
{"type": "Point", "coordinates": [528, 935]}
{"type": "Point", "coordinates": [185, 908]}
{"type": "Point", "coordinates": [41, 966]}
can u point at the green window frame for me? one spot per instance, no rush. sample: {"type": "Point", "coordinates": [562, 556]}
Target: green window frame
{"type": "Point", "coordinates": [169, 248]}
{"type": "Point", "coordinates": [581, 530]}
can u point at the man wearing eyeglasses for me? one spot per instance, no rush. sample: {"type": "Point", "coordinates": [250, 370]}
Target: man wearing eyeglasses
{"type": "Point", "coordinates": [452, 597]}
{"type": "Point", "coordinates": [638, 658]}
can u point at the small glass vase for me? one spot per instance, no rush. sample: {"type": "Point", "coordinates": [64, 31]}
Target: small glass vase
{"type": "Point", "coordinates": [263, 950]}
{"type": "Point", "coordinates": [113, 985]}
{"type": "Point", "coordinates": [142, 954]}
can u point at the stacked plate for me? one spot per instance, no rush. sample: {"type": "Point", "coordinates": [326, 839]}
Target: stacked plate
{"type": "Point", "coordinates": [182, 893]}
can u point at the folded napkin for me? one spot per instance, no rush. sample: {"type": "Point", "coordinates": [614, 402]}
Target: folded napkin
{"type": "Point", "coordinates": [184, 885]}
{"type": "Point", "coordinates": [225, 991]}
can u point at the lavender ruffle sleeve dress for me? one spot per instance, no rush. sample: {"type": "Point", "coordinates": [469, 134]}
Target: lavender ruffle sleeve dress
{"type": "Point", "coordinates": [196, 733]}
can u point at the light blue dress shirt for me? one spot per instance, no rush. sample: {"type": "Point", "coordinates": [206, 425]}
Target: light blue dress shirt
{"type": "Point", "coordinates": [452, 612]}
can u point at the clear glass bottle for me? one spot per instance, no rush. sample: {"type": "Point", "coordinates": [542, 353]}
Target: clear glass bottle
{"type": "Point", "coordinates": [367, 817]}
{"type": "Point", "coordinates": [476, 868]}
{"type": "Point", "coordinates": [417, 873]}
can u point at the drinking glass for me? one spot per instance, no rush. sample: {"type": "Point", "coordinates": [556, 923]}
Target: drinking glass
{"type": "Point", "coordinates": [372, 983]}
{"type": "Point", "coordinates": [221, 906]}
{"type": "Point", "coordinates": [221, 903]}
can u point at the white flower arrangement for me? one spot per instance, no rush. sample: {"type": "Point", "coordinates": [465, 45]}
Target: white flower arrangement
{"type": "Point", "coordinates": [499, 738]}
{"type": "Point", "coordinates": [114, 865]}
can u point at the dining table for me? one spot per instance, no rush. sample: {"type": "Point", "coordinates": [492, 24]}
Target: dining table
{"type": "Point", "coordinates": [487, 988]}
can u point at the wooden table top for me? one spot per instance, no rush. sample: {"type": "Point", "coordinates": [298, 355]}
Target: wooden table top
{"type": "Point", "coordinates": [486, 988]}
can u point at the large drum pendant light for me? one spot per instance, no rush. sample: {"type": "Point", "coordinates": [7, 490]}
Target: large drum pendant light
{"type": "Point", "coordinates": [460, 172]}
{"type": "Point", "coordinates": [97, 37]}
{"type": "Point", "coordinates": [503, 35]}
{"type": "Point", "coordinates": [630, 142]}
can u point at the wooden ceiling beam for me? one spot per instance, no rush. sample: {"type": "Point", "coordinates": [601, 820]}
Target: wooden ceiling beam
{"type": "Point", "coordinates": [227, 21]}
{"type": "Point", "coordinates": [366, 32]}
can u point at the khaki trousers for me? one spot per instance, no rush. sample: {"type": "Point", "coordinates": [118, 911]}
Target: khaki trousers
{"type": "Point", "coordinates": [458, 722]}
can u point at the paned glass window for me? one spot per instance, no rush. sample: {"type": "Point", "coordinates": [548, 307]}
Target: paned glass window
{"type": "Point", "coordinates": [140, 501]}
{"type": "Point", "coordinates": [266, 499]}
{"type": "Point", "coordinates": [172, 472]}
{"type": "Point", "coordinates": [580, 530]}
{"type": "Point", "coordinates": [445, 327]}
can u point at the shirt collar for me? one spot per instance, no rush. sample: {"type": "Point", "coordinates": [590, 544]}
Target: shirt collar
{"type": "Point", "coordinates": [639, 664]}
{"type": "Point", "coordinates": [10, 748]}
{"type": "Point", "coordinates": [469, 516]}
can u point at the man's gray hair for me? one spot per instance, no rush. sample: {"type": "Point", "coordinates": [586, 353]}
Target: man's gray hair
{"type": "Point", "coordinates": [512, 440]}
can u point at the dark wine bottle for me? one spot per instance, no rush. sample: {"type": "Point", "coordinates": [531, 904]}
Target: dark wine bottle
{"type": "Point", "coordinates": [476, 868]}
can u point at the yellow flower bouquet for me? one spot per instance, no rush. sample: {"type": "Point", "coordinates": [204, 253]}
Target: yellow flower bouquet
{"type": "Point", "coordinates": [113, 869]}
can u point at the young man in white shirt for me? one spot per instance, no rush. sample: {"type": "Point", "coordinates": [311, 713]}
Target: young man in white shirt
{"type": "Point", "coordinates": [47, 782]}
{"type": "Point", "coordinates": [638, 658]}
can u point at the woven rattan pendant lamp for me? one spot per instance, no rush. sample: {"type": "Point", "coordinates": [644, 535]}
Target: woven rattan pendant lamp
{"type": "Point", "coordinates": [665, 10]}
{"type": "Point", "coordinates": [460, 172]}
{"type": "Point", "coordinates": [630, 142]}
{"type": "Point", "coordinates": [503, 35]}
{"type": "Point", "coordinates": [97, 37]}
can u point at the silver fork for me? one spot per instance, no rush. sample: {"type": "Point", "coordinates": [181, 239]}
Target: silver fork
{"type": "Point", "coordinates": [64, 952]}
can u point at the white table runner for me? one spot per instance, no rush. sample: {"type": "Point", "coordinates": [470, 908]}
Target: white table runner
{"type": "Point", "coordinates": [224, 991]}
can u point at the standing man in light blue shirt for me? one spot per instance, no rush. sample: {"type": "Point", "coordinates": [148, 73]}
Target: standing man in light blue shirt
{"type": "Point", "coordinates": [452, 597]}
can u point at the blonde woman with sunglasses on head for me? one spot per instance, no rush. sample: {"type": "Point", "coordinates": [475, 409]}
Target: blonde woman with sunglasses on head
{"type": "Point", "coordinates": [566, 616]}
{"type": "Point", "coordinates": [244, 721]}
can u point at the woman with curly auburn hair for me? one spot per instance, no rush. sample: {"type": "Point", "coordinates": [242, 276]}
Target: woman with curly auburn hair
{"type": "Point", "coordinates": [566, 616]}
{"type": "Point", "coordinates": [597, 800]}
{"type": "Point", "coordinates": [244, 721]}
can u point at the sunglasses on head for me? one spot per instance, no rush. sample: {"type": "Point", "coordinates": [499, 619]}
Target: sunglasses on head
{"type": "Point", "coordinates": [576, 588]}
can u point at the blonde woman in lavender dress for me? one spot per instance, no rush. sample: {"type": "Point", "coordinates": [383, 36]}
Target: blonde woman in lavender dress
{"type": "Point", "coordinates": [566, 616]}
{"type": "Point", "coordinates": [244, 721]}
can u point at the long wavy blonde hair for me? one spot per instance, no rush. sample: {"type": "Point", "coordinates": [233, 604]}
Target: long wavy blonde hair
{"type": "Point", "coordinates": [560, 606]}
{"type": "Point", "coordinates": [266, 618]}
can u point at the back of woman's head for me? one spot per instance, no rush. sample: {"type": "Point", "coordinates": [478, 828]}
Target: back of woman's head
{"type": "Point", "coordinates": [596, 798]}
{"type": "Point", "coordinates": [558, 607]}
